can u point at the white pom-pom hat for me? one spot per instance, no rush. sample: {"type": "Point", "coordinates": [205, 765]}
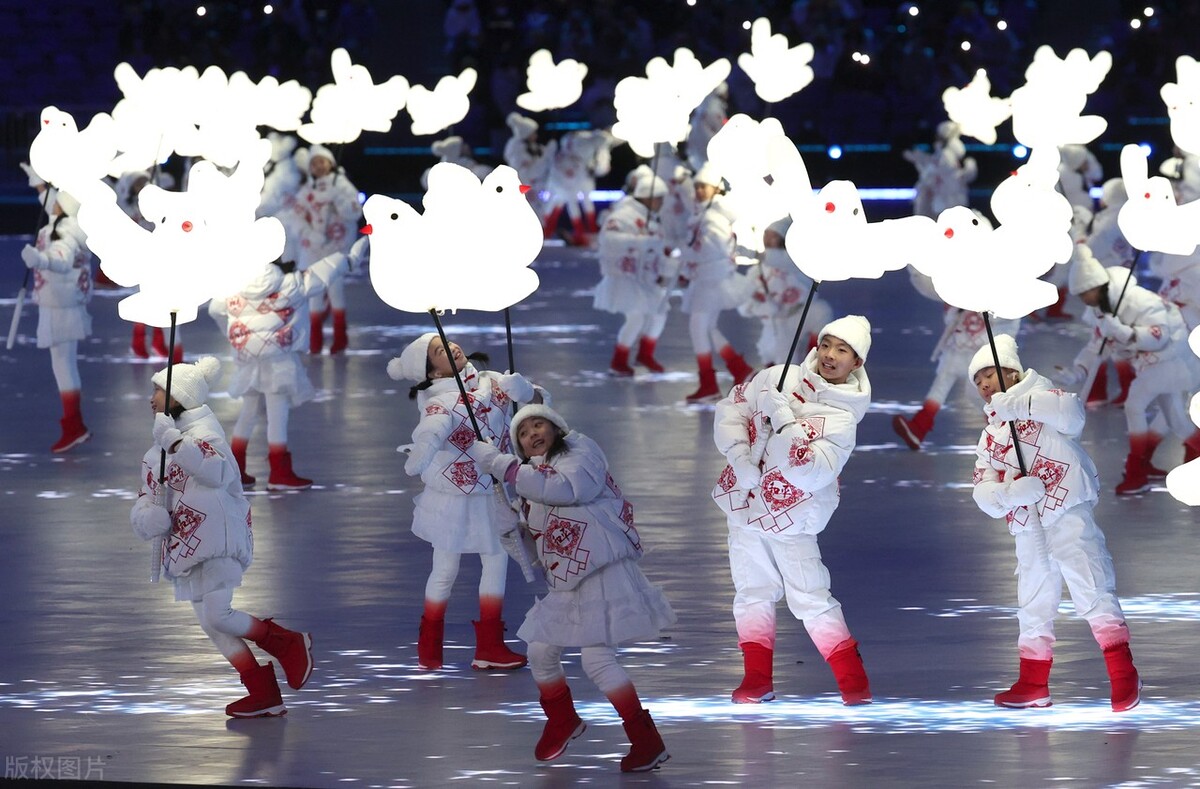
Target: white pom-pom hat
{"type": "Point", "coordinates": [854, 330]}
{"type": "Point", "coordinates": [1086, 272]}
{"type": "Point", "coordinates": [190, 382]}
{"type": "Point", "coordinates": [1006, 350]}
{"type": "Point", "coordinates": [410, 364]}
{"type": "Point", "coordinates": [529, 412]}
{"type": "Point", "coordinates": [650, 186]}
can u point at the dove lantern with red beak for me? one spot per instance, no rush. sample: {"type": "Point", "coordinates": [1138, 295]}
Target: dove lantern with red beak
{"type": "Point", "coordinates": [657, 108]}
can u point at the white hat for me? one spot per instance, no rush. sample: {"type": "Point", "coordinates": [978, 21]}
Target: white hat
{"type": "Point", "coordinates": [1006, 350]}
{"type": "Point", "coordinates": [190, 382]}
{"type": "Point", "coordinates": [528, 412]}
{"type": "Point", "coordinates": [1086, 272]}
{"type": "Point", "coordinates": [1113, 194]}
{"type": "Point", "coordinates": [521, 126]}
{"type": "Point", "coordinates": [780, 226]}
{"type": "Point", "coordinates": [649, 185]}
{"type": "Point", "coordinates": [854, 330]}
{"type": "Point", "coordinates": [68, 204]}
{"type": "Point", "coordinates": [708, 174]}
{"type": "Point", "coordinates": [35, 180]}
{"type": "Point", "coordinates": [321, 150]}
{"type": "Point", "coordinates": [411, 363]}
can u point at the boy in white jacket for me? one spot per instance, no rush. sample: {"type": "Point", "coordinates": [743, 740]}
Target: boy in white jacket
{"type": "Point", "coordinates": [1049, 513]}
{"type": "Point", "coordinates": [199, 512]}
{"type": "Point", "coordinates": [785, 451]}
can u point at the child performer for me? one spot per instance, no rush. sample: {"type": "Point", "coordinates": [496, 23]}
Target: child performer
{"type": "Point", "coordinates": [205, 519]}
{"type": "Point", "coordinates": [267, 326]}
{"type": "Point", "coordinates": [1049, 513]}
{"type": "Point", "coordinates": [598, 597]}
{"type": "Point", "coordinates": [62, 287]}
{"type": "Point", "coordinates": [785, 451]}
{"type": "Point", "coordinates": [454, 512]}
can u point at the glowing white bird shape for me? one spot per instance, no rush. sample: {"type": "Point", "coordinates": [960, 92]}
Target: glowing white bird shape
{"type": "Point", "coordinates": [425, 261]}
{"type": "Point", "coordinates": [551, 86]}
{"type": "Point", "coordinates": [1150, 219]}
{"type": "Point", "coordinates": [739, 151]}
{"type": "Point", "coordinates": [975, 110]}
{"type": "Point", "coordinates": [1046, 109]}
{"type": "Point", "coordinates": [1183, 104]}
{"type": "Point", "coordinates": [657, 108]}
{"type": "Point", "coordinates": [1029, 207]}
{"type": "Point", "coordinates": [353, 103]}
{"type": "Point", "coordinates": [1183, 482]}
{"type": "Point", "coordinates": [777, 69]}
{"type": "Point", "coordinates": [442, 107]}
{"type": "Point", "coordinates": [73, 160]}
{"type": "Point", "coordinates": [156, 117]}
{"type": "Point", "coordinates": [230, 109]}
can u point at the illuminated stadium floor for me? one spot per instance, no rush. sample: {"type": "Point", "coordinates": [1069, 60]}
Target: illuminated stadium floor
{"type": "Point", "coordinates": [101, 674]}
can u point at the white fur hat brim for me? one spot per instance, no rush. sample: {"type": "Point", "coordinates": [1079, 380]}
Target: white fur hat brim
{"type": "Point", "coordinates": [1006, 350]}
{"type": "Point", "coordinates": [411, 363]}
{"type": "Point", "coordinates": [854, 330]}
{"type": "Point", "coordinates": [529, 412]}
{"type": "Point", "coordinates": [708, 174]}
{"type": "Point", "coordinates": [1086, 272]}
{"type": "Point", "coordinates": [649, 186]}
{"type": "Point", "coordinates": [190, 383]}
{"type": "Point", "coordinates": [321, 150]}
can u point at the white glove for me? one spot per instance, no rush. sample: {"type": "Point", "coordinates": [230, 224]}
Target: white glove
{"type": "Point", "coordinates": [419, 458]}
{"type": "Point", "coordinates": [395, 369]}
{"type": "Point", "coordinates": [492, 460]}
{"type": "Point", "coordinates": [517, 387]}
{"type": "Point", "coordinates": [1113, 329]}
{"type": "Point", "coordinates": [1090, 317]}
{"type": "Point", "coordinates": [34, 258]}
{"type": "Point", "coordinates": [1024, 491]}
{"type": "Point", "coordinates": [165, 433]}
{"type": "Point", "coordinates": [778, 407]}
{"type": "Point", "coordinates": [747, 473]}
{"type": "Point", "coordinates": [1005, 407]}
{"type": "Point", "coordinates": [149, 520]}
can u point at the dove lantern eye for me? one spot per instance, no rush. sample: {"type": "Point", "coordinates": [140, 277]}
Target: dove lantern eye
{"type": "Point", "coordinates": [499, 189]}
{"type": "Point", "coordinates": [975, 222]}
{"type": "Point", "coordinates": [395, 216]}
{"type": "Point", "coordinates": [856, 212]}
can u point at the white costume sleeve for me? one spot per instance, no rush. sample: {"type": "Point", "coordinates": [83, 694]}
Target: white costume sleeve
{"type": "Point", "coordinates": [576, 478]}
{"type": "Point", "coordinates": [821, 459]}
{"type": "Point", "coordinates": [1062, 411]}
{"type": "Point", "coordinates": [731, 425]}
{"type": "Point", "coordinates": [202, 460]}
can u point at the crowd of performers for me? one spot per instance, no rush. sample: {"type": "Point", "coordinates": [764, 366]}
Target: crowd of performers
{"type": "Point", "coordinates": [504, 476]}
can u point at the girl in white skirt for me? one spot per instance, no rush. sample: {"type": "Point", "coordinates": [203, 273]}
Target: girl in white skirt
{"type": "Point", "coordinates": [598, 597]}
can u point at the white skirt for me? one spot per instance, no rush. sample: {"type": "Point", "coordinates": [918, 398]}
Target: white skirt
{"type": "Point", "coordinates": [623, 294]}
{"type": "Point", "coordinates": [612, 606]}
{"type": "Point", "coordinates": [279, 374]}
{"type": "Point", "coordinates": [731, 292]}
{"type": "Point", "coordinates": [210, 575]}
{"type": "Point", "coordinates": [456, 523]}
{"type": "Point", "coordinates": [62, 324]}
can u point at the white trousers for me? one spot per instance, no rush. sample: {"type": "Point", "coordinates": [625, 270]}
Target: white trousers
{"type": "Point", "coordinates": [492, 578]}
{"type": "Point", "coordinates": [1159, 388]}
{"type": "Point", "coordinates": [278, 408]}
{"type": "Point", "coordinates": [224, 626]}
{"type": "Point", "coordinates": [64, 361]}
{"type": "Point", "coordinates": [598, 662]}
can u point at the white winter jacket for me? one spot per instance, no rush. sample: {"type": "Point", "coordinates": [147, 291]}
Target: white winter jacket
{"type": "Point", "coordinates": [577, 515]}
{"type": "Point", "coordinates": [68, 280]}
{"type": "Point", "coordinates": [708, 258]}
{"type": "Point", "coordinates": [632, 246]}
{"type": "Point", "coordinates": [800, 465]}
{"type": "Point", "coordinates": [1049, 439]}
{"type": "Point", "coordinates": [210, 516]}
{"type": "Point", "coordinates": [1160, 334]}
{"type": "Point", "coordinates": [328, 211]}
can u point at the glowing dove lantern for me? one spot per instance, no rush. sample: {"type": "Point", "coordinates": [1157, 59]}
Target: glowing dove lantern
{"type": "Point", "coordinates": [353, 103]}
{"type": "Point", "coordinates": [1183, 104]}
{"type": "Point", "coordinates": [657, 108]}
{"type": "Point", "coordinates": [229, 110]}
{"type": "Point", "coordinates": [778, 70]}
{"type": "Point", "coordinates": [975, 110]}
{"type": "Point", "coordinates": [551, 86]}
{"type": "Point", "coordinates": [156, 116]}
{"type": "Point", "coordinates": [73, 160]}
{"type": "Point", "coordinates": [1150, 219]}
{"type": "Point", "coordinates": [739, 152]}
{"type": "Point", "coordinates": [1046, 109]}
{"type": "Point", "coordinates": [206, 242]}
{"type": "Point", "coordinates": [1183, 481]}
{"type": "Point", "coordinates": [1035, 214]}
{"type": "Point", "coordinates": [424, 261]}
{"type": "Point", "coordinates": [442, 107]}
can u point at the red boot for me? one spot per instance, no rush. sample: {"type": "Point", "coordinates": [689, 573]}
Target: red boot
{"type": "Point", "coordinates": [579, 237]}
{"type": "Point", "coordinates": [264, 699]}
{"type": "Point", "coordinates": [74, 431]}
{"type": "Point", "coordinates": [316, 332]}
{"type": "Point", "coordinates": [1126, 684]}
{"type": "Point", "coordinates": [914, 430]}
{"type": "Point", "coordinates": [736, 364]}
{"type": "Point", "coordinates": [1137, 466]}
{"type": "Point", "coordinates": [757, 685]}
{"type": "Point", "coordinates": [851, 677]}
{"type": "Point", "coordinates": [238, 447]}
{"type": "Point", "coordinates": [293, 651]}
{"type": "Point", "coordinates": [647, 751]}
{"type": "Point", "coordinates": [490, 650]}
{"type": "Point", "coordinates": [562, 725]}
{"type": "Point", "coordinates": [1153, 471]}
{"type": "Point", "coordinates": [1055, 310]}
{"type": "Point", "coordinates": [137, 344]}
{"type": "Point", "coordinates": [708, 381]}
{"type": "Point", "coordinates": [340, 340]}
{"type": "Point", "coordinates": [550, 226]}
{"type": "Point", "coordinates": [1032, 688]}
{"type": "Point", "coordinates": [429, 643]}
{"type": "Point", "coordinates": [1098, 394]}
{"type": "Point", "coordinates": [619, 365]}
{"type": "Point", "coordinates": [645, 355]}
{"type": "Point", "coordinates": [158, 344]}
{"type": "Point", "coordinates": [282, 477]}
{"type": "Point", "coordinates": [1125, 375]}
{"type": "Point", "coordinates": [1191, 447]}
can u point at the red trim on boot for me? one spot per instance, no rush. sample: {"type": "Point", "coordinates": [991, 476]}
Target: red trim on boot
{"type": "Point", "coordinates": [550, 226]}
{"type": "Point", "coordinates": [738, 367]}
{"type": "Point", "coordinates": [1125, 376]}
{"type": "Point", "coordinates": [264, 699]}
{"type": "Point", "coordinates": [1126, 684]}
{"type": "Point", "coordinates": [340, 339]}
{"type": "Point", "coordinates": [137, 343]}
{"type": "Point", "coordinates": [1032, 688]}
{"type": "Point", "coordinates": [708, 381]}
{"type": "Point", "coordinates": [850, 674]}
{"type": "Point", "coordinates": [490, 649]}
{"type": "Point", "coordinates": [562, 722]}
{"type": "Point", "coordinates": [619, 365]}
{"type": "Point", "coordinates": [237, 447]}
{"type": "Point", "coordinates": [1137, 464]}
{"type": "Point", "coordinates": [429, 643]}
{"type": "Point", "coordinates": [757, 683]}
{"type": "Point", "coordinates": [293, 651]}
{"type": "Point", "coordinates": [1191, 447]}
{"type": "Point", "coordinates": [645, 355]}
{"type": "Point", "coordinates": [1153, 471]}
{"type": "Point", "coordinates": [282, 477]}
{"type": "Point", "coordinates": [74, 432]}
